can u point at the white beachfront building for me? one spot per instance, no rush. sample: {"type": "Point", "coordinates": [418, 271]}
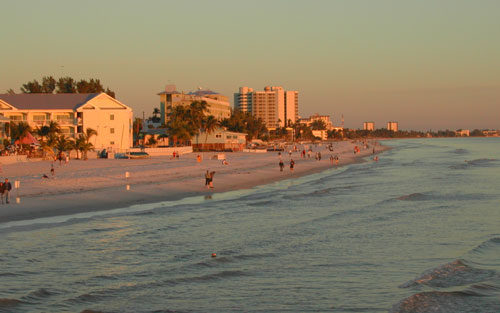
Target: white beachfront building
{"type": "Point", "coordinates": [74, 113]}
{"type": "Point", "coordinates": [219, 140]}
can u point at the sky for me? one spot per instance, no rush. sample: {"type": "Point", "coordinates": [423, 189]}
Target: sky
{"type": "Point", "coordinates": [427, 64]}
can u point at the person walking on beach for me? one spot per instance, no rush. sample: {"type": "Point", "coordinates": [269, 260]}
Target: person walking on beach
{"type": "Point", "coordinates": [292, 164]}
{"type": "Point", "coordinates": [52, 171]}
{"type": "Point", "coordinates": [6, 188]}
{"type": "Point", "coordinates": [319, 156]}
{"type": "Point", "coordinates": [2, 190]}
{"type": "Point", "coordinates": [282, 165]}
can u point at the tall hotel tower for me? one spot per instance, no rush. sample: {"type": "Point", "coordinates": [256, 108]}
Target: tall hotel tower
{"type": "Point", "coordinates": [275, 106]}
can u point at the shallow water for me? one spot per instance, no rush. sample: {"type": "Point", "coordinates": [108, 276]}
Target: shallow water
{"type": "Point", "coordinates": [417, 231]}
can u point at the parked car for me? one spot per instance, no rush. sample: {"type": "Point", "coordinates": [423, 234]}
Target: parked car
{"type": "Point", "coordinates": [133, 155]}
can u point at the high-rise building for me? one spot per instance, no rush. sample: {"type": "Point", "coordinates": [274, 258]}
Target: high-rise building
{"type": "Point", "coordinates": [275, 106]}
{"type": "Point", "coordinates": [392, 126]}
{"type": "Point", "coordinates": [217, 105]}
{"type": "Point", "coordinates": [369, 126]}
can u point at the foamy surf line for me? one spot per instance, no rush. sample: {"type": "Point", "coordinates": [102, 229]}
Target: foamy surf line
{"type": "Point", "coordinates": [29, 224]}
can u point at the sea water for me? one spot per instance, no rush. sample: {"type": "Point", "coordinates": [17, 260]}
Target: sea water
{"type": "Point", "coordinates": [417, 231]}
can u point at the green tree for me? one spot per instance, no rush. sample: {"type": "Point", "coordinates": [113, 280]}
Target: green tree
{"type": "Point", "coordinates": [91, 86]}
{"type": "Point", "coordinates": [48, 84]}
{"type": "Point", "coordinates": [19, 130]}
{"type": "Point", "coordinates": [79, 144]}
{"type": "Point", "coordinates": [179, 125]}
{"type": "Point", "coordinates": [156, 115]}
{"type": "Point", "coordinates": [209, 125]}
{"type": "Point", "coordinates": [63, 144]}
{"type": "Point", "coordinates": [87, 146]}
{"type": "Point", "coordinates": [31, 87]}
{"type": "Point", "coordinates": [110, 93]}
{"type": "Point", "coordinates": [318, 125]}
{"type": "Point", "coordinates": [66, 85]}
{"type": "Point", "coordinates": [42, 133]}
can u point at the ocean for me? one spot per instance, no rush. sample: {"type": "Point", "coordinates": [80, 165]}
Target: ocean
{"type": "Point", "coordinates": [417, 231]}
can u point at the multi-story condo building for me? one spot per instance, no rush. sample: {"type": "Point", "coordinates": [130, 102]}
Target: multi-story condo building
{"type": "Point", "coordinates": [74, 113]}
{"type": "Point", "coordinates": [392, 126]}
{"type": "Point", "coordinates": [275, 106]}
{"type": "Point", "coordinates": [218, 105]}
{"type": "Point", "coordinates": [369, 126]}
{"type": "Point", "coordinates": [316, 117]}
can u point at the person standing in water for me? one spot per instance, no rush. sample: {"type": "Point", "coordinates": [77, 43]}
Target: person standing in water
{"type": "Point", "coordinates": [282, 165]}
{"type": "Point", "coordinates": [207, 179]}
{"type": "Point", "coordinates": [292, 164]}
{"type": "Point", "coordinates": [212, 179]}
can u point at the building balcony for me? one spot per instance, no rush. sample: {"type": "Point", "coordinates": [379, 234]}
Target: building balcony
{"type": "Point", "coordinates": [65, 121]}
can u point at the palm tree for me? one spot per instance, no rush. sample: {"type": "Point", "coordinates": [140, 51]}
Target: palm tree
{"type": "Point", "coordinates": [78, 144]}
{"type": "Point", "coordinates": [19, 130]}
{"type": "Point", "coordinates": [180, 125]}
{"type": "Point", "coordinates": [196, 113]}
{"type": "Point", "coordinates": [86, 146]}
{"type": "Point", "coordinates": [156, 113]}
{"type": "Point", "coordinates": [42, 132]}
{"type": "Point", "coordinates": [89, 132]}
{"type": "Point", "coordinates": [209, 125]}
{"type": "Point", "coordinates": [63, 144]}
{"type": "Point", "coordinates": [54, 127]}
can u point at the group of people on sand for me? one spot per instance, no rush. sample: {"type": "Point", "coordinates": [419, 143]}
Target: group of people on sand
{"type": "Point", "coordinates": [282, 165]}
{"type": "Point", "coordinates": [5, 188]}
{"type": "Point", "coordinates": [333, 159]}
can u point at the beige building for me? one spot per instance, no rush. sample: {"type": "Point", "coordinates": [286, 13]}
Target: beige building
{"type": "Point", "coordinates": [369, 126]}
{"type": "Point", "coordinates": [392, 126]}
{"type": "Point", "coordinates": [275, 106]}
{"type": "Point", "coordinates": [218, 105]}
{"type": "Point", "coordinates": [316, 117]}
{"type": "Point", "coordinates": [74, 113]}
{"type": "Point", "coordinates": [322, 134]}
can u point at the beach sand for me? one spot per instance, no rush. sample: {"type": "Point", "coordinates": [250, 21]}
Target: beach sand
{"type": "Point", "coordinates": [101, 184]}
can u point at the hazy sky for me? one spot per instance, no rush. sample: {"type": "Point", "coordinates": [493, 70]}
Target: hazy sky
{"type": "Point", "coordinates": [429, 64]}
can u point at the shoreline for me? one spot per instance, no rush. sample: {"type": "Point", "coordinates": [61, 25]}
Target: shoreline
{"type": "Point", "coordinates": [100, 185]}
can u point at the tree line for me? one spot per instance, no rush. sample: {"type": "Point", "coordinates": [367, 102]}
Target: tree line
{"type": "Point", "coordinates": [64, 85]}
{"type": "Point", "coordinates": [51, 138]}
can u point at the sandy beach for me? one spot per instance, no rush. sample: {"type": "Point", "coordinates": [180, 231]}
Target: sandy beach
{"type": "Point", "coordinates": [101, 184]}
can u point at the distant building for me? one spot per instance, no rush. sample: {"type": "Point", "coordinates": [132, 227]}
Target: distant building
{"type": "Point", "coordinates": [491, 133]}
{"type": "Point", "coordinates": [316, 117]}
{"type": "Point", "coordinates": [322, 134]}
{"type": "Point", "coordinates": [218, 105]}
{"type": "Point", "coordinates": [369, 126]}
{"type": "Point", "coordinates": [463, 132]}
{"type": "Point", "coordinates": [275, 106]}
{"type": "Point", "coordinates": [74, 113]}
{"type": "Point", "coordinates": [219, 140]}
{"type": "Point", "coordinates": [392, 126]}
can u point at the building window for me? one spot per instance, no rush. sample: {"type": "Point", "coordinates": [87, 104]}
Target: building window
{"type": "Point", "coordinates": [111, 117]}
{"type": "Point", "coordinates": [111, 130]}
{"type": "Point", "coordinates": [112, 143]}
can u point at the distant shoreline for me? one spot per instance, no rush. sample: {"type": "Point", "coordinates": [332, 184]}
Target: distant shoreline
{"type": "Point", "coordinates": [100, 185]}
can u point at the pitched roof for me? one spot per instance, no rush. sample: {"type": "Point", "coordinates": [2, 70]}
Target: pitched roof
{"type": "Point", "coordinates": [47, 101]}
